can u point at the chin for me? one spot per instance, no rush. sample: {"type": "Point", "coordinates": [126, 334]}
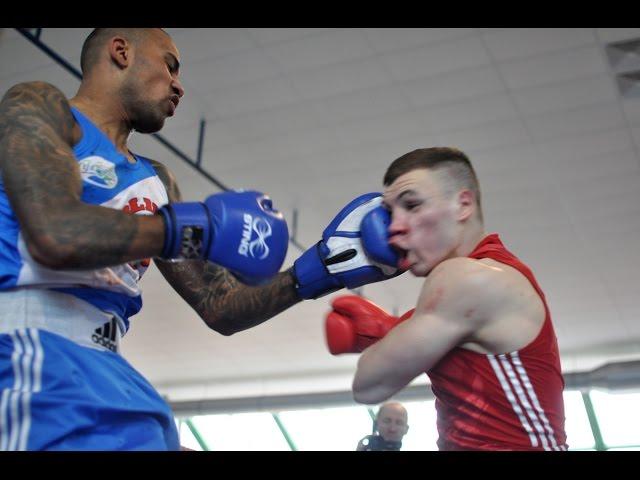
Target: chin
{"type": "Point", "coordinates": [422, 270]}
{"type": "Point", "coordinates": [149, 127]}
{"type": "Point", "coordinates": [150, 121]}
{"type": "Point", "coordinates": [418, 271]}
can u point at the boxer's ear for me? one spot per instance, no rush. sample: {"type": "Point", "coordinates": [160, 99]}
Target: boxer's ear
{"type": "Point", "coordinates": [120, 51]}
{"type": "Point", "coordinates": [466, 203]}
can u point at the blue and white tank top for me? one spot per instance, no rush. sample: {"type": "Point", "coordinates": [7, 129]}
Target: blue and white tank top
{"type": "Point", "coordinates": [110, 180]}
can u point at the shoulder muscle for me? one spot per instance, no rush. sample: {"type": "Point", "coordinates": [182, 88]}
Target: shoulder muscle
{"type": "Point", "coordinates": [461, 289]}
{"type": "Point", "coordinates": [37, 108]}
{"type": "Point", "coordinates": [169, 181]}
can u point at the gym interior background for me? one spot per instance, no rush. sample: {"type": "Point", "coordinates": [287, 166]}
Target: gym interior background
{"type": "Point", "coordinates": [551, 120]}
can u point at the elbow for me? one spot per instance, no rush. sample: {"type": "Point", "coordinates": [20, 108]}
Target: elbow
{"type": "Point", "coordinates": [369, 386]}
{"type": "Point", "coordinates": [358, 396]}
{"type": "Point", "coordinates": [363, 394]}
{"type": "Point", "coordinates": [365, 397]}
{"type": "Point", "coordinates": [225, 331]}
{"type": "Point", "coordinates": [49, 254]}
{"type": "Point", "coordinates": [219, 325]}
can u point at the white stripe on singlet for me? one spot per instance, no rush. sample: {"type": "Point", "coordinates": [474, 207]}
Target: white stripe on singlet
{"type": "Point", "coordinates": [505, 361]}
{"type": "Point", "coordinates": [534, 399]}
{"type": "Point", "coordinates": [512, 400]}
{"type": "Point", "coordinates": [521, 384]}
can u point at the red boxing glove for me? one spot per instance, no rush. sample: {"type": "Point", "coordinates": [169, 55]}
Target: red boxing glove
{"type": "Point", "coordinates": [356, 323]}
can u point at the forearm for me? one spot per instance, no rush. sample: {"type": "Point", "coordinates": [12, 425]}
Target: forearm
{"type": "Point", "coordinates": [409, 350]}
{"type": "Point", "coordinates": [245, 307]}
{"type": "Point", "coordinates": [375, 379]}
{"type": "Point", "coordinates": [226, 305]}
{"type": "Point", "coordinates": [88, 236]}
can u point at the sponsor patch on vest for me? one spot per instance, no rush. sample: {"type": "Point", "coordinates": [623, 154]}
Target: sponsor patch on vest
{"type": "Point", "coordinates": [98, 172]}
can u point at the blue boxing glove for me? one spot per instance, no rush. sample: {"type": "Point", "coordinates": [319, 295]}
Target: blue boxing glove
{"type": "Point", "coordinates": [339, 259]}
{"type": "Point", "coordinates": [239, 230]}
{"type": "Point", "coordinates": [375, 237]}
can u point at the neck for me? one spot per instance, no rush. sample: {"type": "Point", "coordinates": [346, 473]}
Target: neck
{"type": "Point", "coordinates": [106, 112]}
{"type": "Point", "coordinates": [471, 235]}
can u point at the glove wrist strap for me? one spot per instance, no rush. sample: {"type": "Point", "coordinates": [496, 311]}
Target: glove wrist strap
{"type": "Point", "coordinates": [313, 280]}
{"type": "Point", "coordinates": [185, 229]}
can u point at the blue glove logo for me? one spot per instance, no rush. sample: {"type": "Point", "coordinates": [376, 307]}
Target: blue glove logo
{"type": "Point", "coordinates": [263, 230]}
{"type": "Point", "coordinates": [257, 248]}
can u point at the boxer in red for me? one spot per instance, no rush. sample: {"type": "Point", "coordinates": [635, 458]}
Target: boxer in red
{"type": "Point", "coordinates": [481, 328]}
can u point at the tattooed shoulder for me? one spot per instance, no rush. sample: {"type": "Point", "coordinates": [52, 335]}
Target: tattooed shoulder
{"type": "Point", "coordinates": [168, 179]}
{"type": "Point", "coordinates": [36, 103]}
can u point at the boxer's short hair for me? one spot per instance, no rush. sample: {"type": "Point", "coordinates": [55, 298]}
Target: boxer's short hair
{"type": "Point", "coordinates": [455, 162]}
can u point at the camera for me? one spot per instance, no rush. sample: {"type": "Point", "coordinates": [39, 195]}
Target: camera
{"type": "Point", "coordinates": [376, 443]}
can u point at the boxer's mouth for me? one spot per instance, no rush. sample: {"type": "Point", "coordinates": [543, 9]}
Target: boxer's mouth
{"type": "Point", "coordinates": [403, 261]}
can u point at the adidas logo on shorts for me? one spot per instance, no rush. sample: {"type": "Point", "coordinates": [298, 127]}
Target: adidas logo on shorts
{"type": "Point", "coordinates": [106, 335]}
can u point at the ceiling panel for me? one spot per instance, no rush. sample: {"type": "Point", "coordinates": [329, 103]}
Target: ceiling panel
{"type": "Point", "coordinates": [631, 109]}
{"type": "Point", "coordinates": [337, 79]}
{"type": "Point", "coordinates": [246, 66]}
{"type": "Point", "coordinates": [244, 98]}
{"type": "Point", "coordinates": [201, 44]}
{"type": "Point", "coordinates": [417, 62]}
{"type": "Point", "coordinates": [524, 42]}
{"type": "Point", "coordinates": [267, 36]}
{"type": "Point", "coordinates": [608, 35]}
{"type": "Point", "coordinates": [585, 145]}
{"type": "Point", "coordinates": [319, 50]}
{"type": "Point", "coordinates": [565, 95]}
{"type": "Point", "coordinates": [389, 39]}
{"type": "Point", "coordinates": [570, 64]}
{"type": "Point", "coordinates": [363, 103]}
{"type": "Point", "coordinates": [581, 120]}
{"type": "Point", "coordinates": [466, 113]}
{"type": "Point", "coordinates": [453, 86]}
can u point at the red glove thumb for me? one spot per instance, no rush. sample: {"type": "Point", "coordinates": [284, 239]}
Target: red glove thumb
{"type": "Point", "coordinates": [356, 323]}
{"type": "Point", "coordinates": [340, 334]}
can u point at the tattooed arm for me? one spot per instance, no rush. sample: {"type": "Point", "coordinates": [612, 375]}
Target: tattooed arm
{"type": "Point", "coordinates": [42, 180]}
{"type": "Point", "coordinates": [226, 305]}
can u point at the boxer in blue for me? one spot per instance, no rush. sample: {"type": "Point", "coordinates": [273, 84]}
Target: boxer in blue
{"type": "Point", "coordinates": [80, 217]}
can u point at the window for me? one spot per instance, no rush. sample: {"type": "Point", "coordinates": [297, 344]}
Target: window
{"type": "Point", "coordinates": [618, 417]}
{"type": "Point", "coordinates": [327, 428]}
{"type": "Point", "coordinates": [340, 428]}
{"type": "Point", "coordinates": [241, 431]}
{"type": "Point", "coordinates": [186, 437]}
{"type": "Point", "coordinates": [422, 434]}
{"type": "Point", "coordinates": [577, 427]}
